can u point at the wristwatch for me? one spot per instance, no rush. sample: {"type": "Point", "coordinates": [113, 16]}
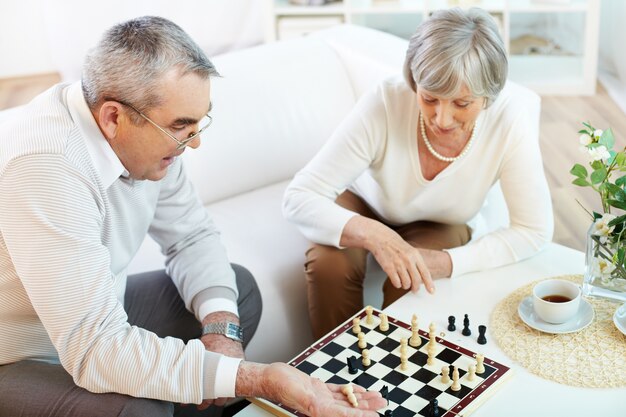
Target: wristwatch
{"type": "Point", "coordinates": [230, 330]}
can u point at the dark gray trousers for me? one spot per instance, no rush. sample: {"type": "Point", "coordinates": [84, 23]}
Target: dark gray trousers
{"type": "Point", "coordinates": [38, 389]}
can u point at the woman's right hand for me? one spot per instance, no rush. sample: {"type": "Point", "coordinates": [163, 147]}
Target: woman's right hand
{"type": "Point", "coordinates": [403, 263]}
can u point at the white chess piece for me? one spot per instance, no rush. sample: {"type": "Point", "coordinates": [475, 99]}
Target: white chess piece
{"type": "Point", "coordinates": [455, 380]}
{"type": "Point", "coordinates": [415, 339]}
{"type": "Point", "coordinates": [480, 367]}
{"type": "Point", "coordinates": [362, 343]}
{"type": "Point", "coordinates": [445, 374]}
{"type": "Point", "coordinates": [431, 354]}
{"type": "Point", "coordinates": [403, 362]}
{"type": "Point", "coordinates": [349, 392]}
{"type": "Point", "coordinates": [384, 322]}
{"type": "Point", "coordinates": [403, 345]}
{"type": "Point", "coordinates": [366, 357]}
{"type": "Point", "coordinates": [356, 325]}
{"type": "Point", "coordinates": [370, 315]}
{"type": "Point", "coordinates": [471, 372]}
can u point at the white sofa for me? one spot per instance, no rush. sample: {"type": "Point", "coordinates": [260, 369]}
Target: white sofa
{"type": "Point", "coordinates": [274, 107]}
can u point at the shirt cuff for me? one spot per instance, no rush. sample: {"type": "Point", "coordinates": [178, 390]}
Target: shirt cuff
{"type": "Point", "coordinates": [219, 376]}
{"type": "Point", "coordinates": [214, 299]}
{"type": "Point", "coordinates": [463, 261]}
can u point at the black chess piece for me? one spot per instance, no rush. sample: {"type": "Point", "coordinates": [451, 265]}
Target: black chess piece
{"type": "Point", "coordinates": [434, 409]}
{"type": "Point", "coordinates": [384, 391]}
{"type": "Point", "coordinates": [352, 369]}
{"type": "Point", "coordinates": [389, 413]}
{"type": "Point", "coordinates": [466, 330]}
{"type": "Point", "coordinates": [451, 325]}
{"type": "Point", "coordinates": [482, 340]}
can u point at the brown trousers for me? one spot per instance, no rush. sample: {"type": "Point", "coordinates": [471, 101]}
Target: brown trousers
{"type": "Point", "coordinates": [335, 276]}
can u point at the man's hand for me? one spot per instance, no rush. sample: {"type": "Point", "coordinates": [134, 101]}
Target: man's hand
{"type": "Point", "coordinates": [220, 344]}
{"type": "Point", "coordinates": [287, 385]}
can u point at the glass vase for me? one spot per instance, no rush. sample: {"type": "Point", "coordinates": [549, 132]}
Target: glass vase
{"type": "Point", "coordinates": [603, 276]}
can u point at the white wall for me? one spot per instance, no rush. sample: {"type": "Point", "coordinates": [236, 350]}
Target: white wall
{"type": "Point", "coordinates": [39, 36]}
{"type": "Point", "coordinates": [612, 55]}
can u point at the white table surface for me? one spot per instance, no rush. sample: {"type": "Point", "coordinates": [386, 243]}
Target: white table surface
{"type": "Point", "coordinates": [477, 295]}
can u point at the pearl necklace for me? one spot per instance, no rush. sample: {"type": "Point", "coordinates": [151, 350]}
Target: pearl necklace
{"type": "Point", "coordinates": [437, 154]}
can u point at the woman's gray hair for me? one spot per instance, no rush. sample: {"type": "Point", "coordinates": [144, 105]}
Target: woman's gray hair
{"type": "Point", "coordinates": [455, 47]}
{"type": "Point", "coordinates": [131, 58]}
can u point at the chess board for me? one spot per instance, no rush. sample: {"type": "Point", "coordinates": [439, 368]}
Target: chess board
{"type": "Point", "coordinates": [410, 391]}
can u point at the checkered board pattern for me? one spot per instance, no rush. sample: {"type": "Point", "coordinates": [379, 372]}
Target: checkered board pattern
{"type": "Point", "coordinates": [410, 391]}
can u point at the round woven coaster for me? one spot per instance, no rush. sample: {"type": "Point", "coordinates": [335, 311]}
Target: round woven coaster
{"type": "Point", "coordinates": [592, 357]}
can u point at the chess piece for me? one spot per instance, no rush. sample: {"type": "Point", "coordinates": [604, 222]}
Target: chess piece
{"type": "Point", "coordinates": [356, 325]}
{"type": "Point", "coordinates": [456, 386]}
{"type": "Point", "coordinates": [366, 357]}
{"type": "Point", "coordinates": [362, 343]}
{"type": "Point", "coordinates": [352, 369]}
{"type": "Point", "coordinates": [451, 325]}
{"type": "Point", "coordinates": [466, 330]}
{"type": "Point", "coordinates": [431, 354]}
{"type": "Point", "coordinates": [480, 367]}
{"type": "Point", "coordinates": [384, 323]}
{"type": "Point", "coordinates": [434, 409]}
{"type": "Point", "coordinates": [482, 340]}
{"type": "Point", "coordinates": [389, 413]}
{"type": "Point", "coordinates": [370, 315]}
{"type": "Point", "coordinates": [403, 345]}
{"type": "Point", "coordinates": [415, 339]}
{"type": "Point", "coordinates": [403, 362]}
{"type": "Point", "coordinates": [471, 372]}
{"type": "Point", "coordinates": [445, 374]}
{"type": "Point", "coordinates": [384, 391]}
{"type": "Point", "coordinates": [349, 392]}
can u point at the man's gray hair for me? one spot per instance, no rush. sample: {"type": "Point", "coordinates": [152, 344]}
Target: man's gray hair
{"type": "Point", "coordinates": [455, 47]}
{"type": "Point", "coordinates": [132, 57]}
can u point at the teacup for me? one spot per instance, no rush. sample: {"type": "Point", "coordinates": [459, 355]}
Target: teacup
{"type": "Point", "coordinates": [556, 301]}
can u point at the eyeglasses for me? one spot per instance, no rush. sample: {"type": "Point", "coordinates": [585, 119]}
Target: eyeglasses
{"type": "Point", "coordinates": [181, 143]}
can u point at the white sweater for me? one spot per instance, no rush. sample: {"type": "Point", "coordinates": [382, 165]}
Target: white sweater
{"type": "Point", "coordinates": [70, 223]}
{"type": "Point", "coordinates": [374, 153]}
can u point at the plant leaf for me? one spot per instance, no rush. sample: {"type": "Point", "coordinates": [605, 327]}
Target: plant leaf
{"type": "Point", "coordinates": [617, 220]}
{"type": "Point", "coordinates": [579, 171]}
{"type": "Point", "coordinates": [621, 181]}
{"type": "Point", "coordinates": [581, 182]}
{"type": "Point", "coordinates": [598, 175]}
{"type": "Point", "coordinates": [617, 204]}
{"type": "Point", "coordinates": [588, 126]}
{"type": "Point", "coordinates": [596, 215]}
{"type": "Point", "coordinates": [607, 139]}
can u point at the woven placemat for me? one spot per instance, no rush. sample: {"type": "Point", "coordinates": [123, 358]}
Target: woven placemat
{"type": "Point", "coordinates": [594, 357]}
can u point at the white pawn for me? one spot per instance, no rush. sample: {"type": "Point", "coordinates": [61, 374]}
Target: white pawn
{"type": "Point", "coordinates": [431, 334]}
{"type": "Point", "coordinates": [455, 380]}
{"type": "Point", "coordinates": [403, 345]}
{"type": "Point", "coordinates": [370, 315]}
{"type": "Point", "coordinates": [415, 339]}
{"type": "Point", "coordinates": [349, 392]}
{"type": "Point", "coordinates": [362, 343]}
{"type": "Point", "coordinates": [431, 354]}
{"type": "Point", "coordinates": [356, 325]}
{"type": "Point", "coordinates": [384, 322]}
{"type": "Point", "coordinates": [480, 367]}
{"type": "Point", "coordinates": [403, 362]}
{"type": "Point", "coordinates": [366, 357]}
{"type": "Point", "coordinates": [445, 374]}
{"type": "Point", "coordinates": [471, 372]}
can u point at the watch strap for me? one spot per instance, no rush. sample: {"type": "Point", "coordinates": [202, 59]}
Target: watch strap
{"type": "Point", "coordinates": [228, 329]}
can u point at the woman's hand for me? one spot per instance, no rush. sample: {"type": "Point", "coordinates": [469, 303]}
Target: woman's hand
{"type": "Point", "coordinates": [286, 385]}
{"type": "Point", "coordinates": [404, 264]}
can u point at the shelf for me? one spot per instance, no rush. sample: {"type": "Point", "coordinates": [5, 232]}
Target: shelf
{"type": "Point", "coordinates": [531, 6]}
{"type": "Point", "coordinates": [283, 7]}
{"type": "Point", "coordinates": [386, 6]}
{"type": "Point", "coordinates": [548, 74]}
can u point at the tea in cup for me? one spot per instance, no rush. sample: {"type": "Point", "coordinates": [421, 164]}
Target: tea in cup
{"type": "Point", "coordinates": [556, 301]}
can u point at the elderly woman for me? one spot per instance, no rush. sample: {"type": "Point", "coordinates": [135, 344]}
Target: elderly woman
{"type": "Point", "coordinates": [404, 175]}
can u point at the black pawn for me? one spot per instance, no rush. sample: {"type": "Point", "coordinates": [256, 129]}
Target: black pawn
{"type": "Point", "coordinates": [482, 340]}
{"type": "Point", "coordinates": [466, 330]}
{"type": "Point", "coordinates": [389, 413]}
{"type": "Point", "coordinates": [451, 325]}
{"type": "Point", "coordinates": [384, 392]}
{"type": "Point", "coordinates": [434, 409]}
{"type": "Point", "coordinates": [352, 369]}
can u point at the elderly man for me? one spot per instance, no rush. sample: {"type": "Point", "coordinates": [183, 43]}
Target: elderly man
{"type": "Point", "coordinates": [86, 170]}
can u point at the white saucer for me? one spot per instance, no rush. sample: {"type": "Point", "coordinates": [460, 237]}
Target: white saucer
{"type": "Point", "coordinates": [619, 318]}
{"type": "Point", "coordinates": [583, 318]}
